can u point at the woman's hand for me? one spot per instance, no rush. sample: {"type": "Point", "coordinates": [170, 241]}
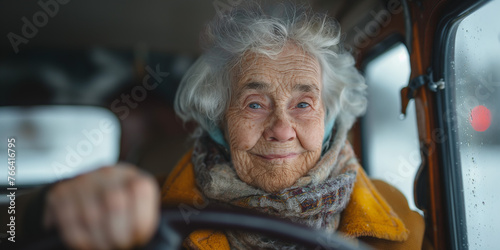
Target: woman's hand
{"type": "Point", "coordinates": [112, 207]}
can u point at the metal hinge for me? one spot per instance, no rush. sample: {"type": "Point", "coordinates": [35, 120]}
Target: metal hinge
{"type": "Point", "coordinates": [409, 92]}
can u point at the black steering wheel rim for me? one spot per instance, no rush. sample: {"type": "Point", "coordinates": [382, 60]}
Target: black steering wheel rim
{"type": "Point", "coordinates": [176, 225]}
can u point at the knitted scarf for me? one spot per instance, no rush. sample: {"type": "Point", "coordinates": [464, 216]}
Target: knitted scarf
{"type": "Point", "coordinates": [315, 200]}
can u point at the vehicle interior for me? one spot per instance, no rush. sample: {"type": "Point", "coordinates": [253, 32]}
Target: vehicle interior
{"type": "Point", "coordinates": [73, 94]}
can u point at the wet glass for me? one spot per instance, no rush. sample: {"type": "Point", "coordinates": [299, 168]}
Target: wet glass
{"type": "Point", "coordinates": [473, 73]}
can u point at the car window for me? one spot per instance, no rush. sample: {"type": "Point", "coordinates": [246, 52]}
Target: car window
{"type": "Point", "coordinates": [390, 142]}
{"type": "Point", "coordinates": [473, 74]}
{"type": "Point", "coordinates": [49, 143]}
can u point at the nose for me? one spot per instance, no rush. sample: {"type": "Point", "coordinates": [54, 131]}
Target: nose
{"type": "Point", "coordinates": [280, 130]}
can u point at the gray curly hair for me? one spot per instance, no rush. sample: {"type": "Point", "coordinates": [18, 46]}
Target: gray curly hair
{"type": "Point", "coordinates": [204, 92]}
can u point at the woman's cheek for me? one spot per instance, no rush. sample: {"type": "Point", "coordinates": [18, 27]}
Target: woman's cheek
{"type": "Point", "coordinates": [243, 133]}
{"type": "Point", "coordinates": [311, 132]}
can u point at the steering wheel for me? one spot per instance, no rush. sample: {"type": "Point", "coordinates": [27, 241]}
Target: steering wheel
{"type": "Point", "coordinates": [175, 226]}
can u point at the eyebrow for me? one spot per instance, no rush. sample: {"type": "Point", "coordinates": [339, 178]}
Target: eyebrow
{"type": "Point", "coordinates": [256, 86]}
{"type": "Point", "coordinates": [306, 88]}
{"type": "Point", "coordinates": [298, 87]}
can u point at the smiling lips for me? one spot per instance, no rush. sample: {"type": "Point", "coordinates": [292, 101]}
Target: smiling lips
{"type": "Point", "coordinates": [278, 156]}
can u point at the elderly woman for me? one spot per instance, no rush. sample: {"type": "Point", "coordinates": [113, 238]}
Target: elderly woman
{"type": "Point", "coordinates": [274, 96]}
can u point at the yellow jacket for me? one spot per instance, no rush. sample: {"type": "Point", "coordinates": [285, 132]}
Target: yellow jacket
{"type": "Point", "coordinates": [382, 221]}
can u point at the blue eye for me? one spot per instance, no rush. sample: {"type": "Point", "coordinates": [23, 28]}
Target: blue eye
{"type": "Point", "coordinates": [254, 105]}
{"type": "Point", "coordinates": [302, 105]}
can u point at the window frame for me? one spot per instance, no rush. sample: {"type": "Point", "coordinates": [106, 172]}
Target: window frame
{"type": "Point", "coordinates": [371, 55]}
{"type": "Point", "coordinates": [449, 155]}
{"type": "Point", "coordinates": [389, 42]}
{"type": "Point", "coordinates": [380, 48]}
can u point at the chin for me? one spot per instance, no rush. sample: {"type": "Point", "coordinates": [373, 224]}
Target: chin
{"type": "Point", "coordinates": [276, 179]}
{"type": "Point", "coordinates": [269, 175]}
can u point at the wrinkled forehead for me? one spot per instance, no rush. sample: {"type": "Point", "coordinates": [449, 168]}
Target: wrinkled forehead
{"type": "Point", "coordinates": [290, 67]}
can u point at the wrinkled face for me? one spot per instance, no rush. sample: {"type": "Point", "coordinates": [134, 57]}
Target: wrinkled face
{"type": "Point", "coordinates": [275, 121]}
